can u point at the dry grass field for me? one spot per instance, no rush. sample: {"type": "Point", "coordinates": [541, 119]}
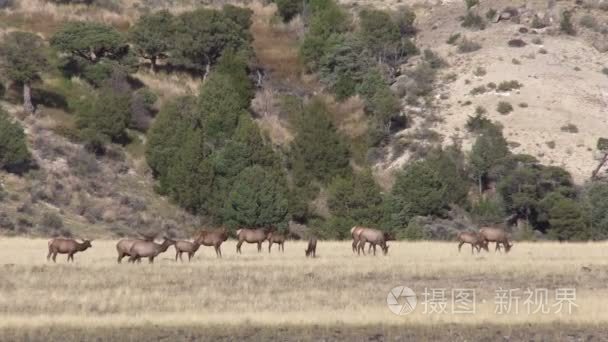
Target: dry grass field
{"type": "Point", "coordinates": [337, 296]}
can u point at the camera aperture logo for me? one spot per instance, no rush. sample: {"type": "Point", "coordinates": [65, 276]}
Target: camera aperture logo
{"type": "Point", "coordinates": [401, 300]}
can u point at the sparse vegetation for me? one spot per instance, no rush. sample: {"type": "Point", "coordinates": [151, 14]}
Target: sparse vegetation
{"type": "Point", "coordinates": [479, 72]}
{"type": "Point", "coordinates": [570, 128]}
{"type": "Point", "coordinates": [507, 86]}
{"type": "Point", "coordinates": [516, 43]}
{"type": "Point", "coordinates": [467, 46]}
{"type": "Point", "coordinates": [565, 24]}
{"type": "Point", "coordinates": [453, 38]}
{"type": "Point", "coordinates": [478, 90]}
{"type": "Point", "coordinates": [504, 107]}
{"type": "Point", "coordinates": [14, 154]}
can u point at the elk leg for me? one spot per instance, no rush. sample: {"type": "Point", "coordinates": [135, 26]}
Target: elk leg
{"type": "Point", "coordinates": [180, 257]}
{"type": "Point", "coordinates": [355, 245]}
{"type": "Point", "coordinates": [283, 247]}
{"type": "Point", "coordinates": [217, 251]}
{"type": "Point", "coordinates": [151, 260]}
{"type": "Point", "coordinates": [259, 247]}
{"type": "Point", "coordinates": [369, 250]}
{"type": "Point", "coordinates": [190, 256]}
{"type": "Point", "coordinates": [361, 248]}
{"type": "Point", "coordinates": [269, 245]}
{"type": "Point", "coordinates": [120, 256]}
{"type": "Point", "coordinates": [54, 256]}
{"type": "Point", "coordinates": [238, 247]}
{"type": "Point", "coordinates": [460, 245]}
{"type": "Point", "coordinates": [48, 257]}
{"type": "Point", "coordinates": [374, 249]}
{"type": "Point", "coordinates": [497, 247]}
{"type": "Point", "coordinates": [472, 248]}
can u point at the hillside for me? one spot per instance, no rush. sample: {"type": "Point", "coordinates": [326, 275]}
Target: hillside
{"type": "Point", "coordinates": [558, 113]}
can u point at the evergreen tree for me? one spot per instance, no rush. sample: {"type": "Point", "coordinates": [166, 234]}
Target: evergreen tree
{"type": "Point", "coordinates": [258, 199]}
{"type": "Point", "coordinates": [22, 60]}
{"type": "Point", "coordinates": [317, 152]}
{"type": "Point", "coordinates": [152, 36]}
{"type": "Point", "coordinates": [14, 154]}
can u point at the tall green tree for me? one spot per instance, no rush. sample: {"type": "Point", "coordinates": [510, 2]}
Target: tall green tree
{"type": "Point", "coordinates": [357, 197]}
{"type": "Point", "coordinates": [489, 148]}
{"type": "Point", "coordinates": [318, 153]}
{"type": "Point", "coordinates": [152, 36]}
{"type": "Point", "coordinates": [105, 117]}
{"type": "Point", "coordinates": [90, 41]}
{"type": "Point", "coordinates": [258, 199]}
{"type": "Point", "coordinates": [421, 189]}
{"type": "Point", "coordinates": [14, 153]}
{"type": "Point", "coordinates": [203, 35]}
{"type": "Point", "coordinates": [22, 59]}
{"type": "Point", "coordinates": [567, 221]}
{"type": "Point", "coordinates": [595, 200]}
{"type": "Point", "coordinates": [165, 135]}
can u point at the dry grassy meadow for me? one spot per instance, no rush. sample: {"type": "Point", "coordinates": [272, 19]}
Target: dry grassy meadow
{"type": "Point", "coordinates": [254, 296]}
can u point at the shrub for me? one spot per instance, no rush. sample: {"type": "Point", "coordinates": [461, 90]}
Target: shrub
{"type": "Point", "coordinates": [537, 23]}
{"type": "Point", "coordinates": [471, 3]}
{"type": "Point", "coordinates": [523, 30]}
{"type": "Point", "coordinates": [490, 14]}
{"type": "Point", "coordinates": [14, 154]}
{"type": "Point", "coordinates": [472, 20]}
{"type": "Point", "coordinates": [589, 22]}
{"type": "Point", "coordinates": [537, 41]}
{"type": "Point", "coordinates": [288, 9]}
{"type": "Point", "coordinates": [478, 90]}
{"type": "Point", "coordinates": [52, 221]}
{"type": "Point", "coordinates": [491, 85]}
{"type": "Point", "coordinates": [453, 38]}
{"type": "Point", "coordinates": [479, 72]}
{"type": "Point", "coordinates": [565, 24]}
{"type": "Point", "coordinates": [523, 105]}
{"type": "Point", "coordinates": [542, 51]}
{"type": "Point", "coordinates": [515, 61]}
{"type": "Point", "coordinates": [516, 43]}
{"type": "Point", "coordinates": [506, 86]}
{"type": "Point", "coordinates": [479, 122]}
{"type": "Point", "coordinates": [605, 71]}
{"type": "Point", "coordinates": [467, 45]}
{"type": "Point", "coordinates": [414, 231]}
{"type": "Point", "coordinates": [504, 107]}
{"type": "Point", "coordinates": [570, 128]}
{"type": "Point", "coordinates": [550, 144]}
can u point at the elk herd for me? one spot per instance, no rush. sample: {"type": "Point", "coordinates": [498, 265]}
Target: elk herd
{"type": "Point", "coordinates": [136, 249]}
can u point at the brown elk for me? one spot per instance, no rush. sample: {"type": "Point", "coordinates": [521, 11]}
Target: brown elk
{"type": "Point", "coordinates": [497, 235]}
{"type": "Point", "coordinates": [148, 249]}
{"type": "Point", "coordinates": [183, 246]}
{"type": "Point", "coordinates": [354, 231]}
{"type": "Point", "coordinates": [66, 246]}
{"type": "Point", "coordinates": [213, 238]}
{"type": "Point", "coordinates": [374, 237]}
{"type": "Point", "coordinates": [277, 238]}
{"type": "Point", "coordinates": [311, 250]}
{"type": "Point", "coordinates": [124, 246]}
{"type": "Point", "coordinates": [251, 236]}
{"type": "Point", "coordinates": [472, 238]}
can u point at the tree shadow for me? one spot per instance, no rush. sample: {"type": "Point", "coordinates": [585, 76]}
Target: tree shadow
{"type": "Point", "coordinates": [49, 99]}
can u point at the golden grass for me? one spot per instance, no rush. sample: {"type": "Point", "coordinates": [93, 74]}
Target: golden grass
{"type": "Point", "coordinates": [278, 289]}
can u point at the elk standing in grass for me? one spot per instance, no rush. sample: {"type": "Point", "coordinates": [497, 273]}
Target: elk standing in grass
{"type": "Point", "coordinates": [472, 238]}
{"type": "Point", "coordinates": [183, 246]}
{"type": "Point", "coordinates": [213, 238]}
{"type": "Point", "coordinates": [277, 238]}
{"type": "Point", "coordinates": [311, 250]}
{"type": "Point", "coordinates": [67, 246]}
{"type": "Point", "coordinates": [374, 237]}
{"type": "Point", "coordinates": [354, 231]}
{"type": "Point", "coordinates": [124, 246]}
{"type": "Point", "coordinates": [497, 235]}
{"type": "Point", "coordinates": [251, 236]}
{"type": "Point", "coordinates": [148, 249]}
